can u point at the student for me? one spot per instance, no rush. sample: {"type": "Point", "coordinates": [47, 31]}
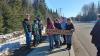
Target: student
{"type": "Point", "coordinates": [35, 31]}
{"type": "Point", "coordinates": [57, 36]}
{"type": "Point", "coordinates": [70, 27]}
{"type": "Point", "coordinates": [50, 36]}
{"type": "Point", "coordinates": [63, 27]}
{"type": "Point", "coordinates": [40, 27]}
{"type": "Point", "coordinates": [95, 33]}
{"type": "Point", "coordinates": [27, 30]}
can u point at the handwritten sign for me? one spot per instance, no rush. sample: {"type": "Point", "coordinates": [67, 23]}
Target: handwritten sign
{"type": "Point", "coordinates": [56, 31]}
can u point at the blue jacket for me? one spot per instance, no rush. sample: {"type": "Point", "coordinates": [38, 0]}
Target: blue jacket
{"type": "Point", "coordinates": [63, 26]}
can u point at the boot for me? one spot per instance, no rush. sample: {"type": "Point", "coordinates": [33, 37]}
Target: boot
{"type": "Point", "coordinates": [68, 46]}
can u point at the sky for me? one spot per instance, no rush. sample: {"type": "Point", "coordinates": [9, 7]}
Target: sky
{"type": "Point", "coordinates": [69, 8]}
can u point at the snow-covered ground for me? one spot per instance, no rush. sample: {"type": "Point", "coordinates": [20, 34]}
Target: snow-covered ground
{"type": "Point", "coordinates": [12, 44]}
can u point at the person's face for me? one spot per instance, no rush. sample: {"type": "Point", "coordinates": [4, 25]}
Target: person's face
{"type": "Point", "coordinates": [68, 21]}
{"type": "Point", "coordinates": [56, 21]}
{"type": "Point", "coordinates": [28, 17]}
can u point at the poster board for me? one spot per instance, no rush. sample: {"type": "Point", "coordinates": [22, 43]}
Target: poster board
{"type": "Point", "coordinates": [61, 32]}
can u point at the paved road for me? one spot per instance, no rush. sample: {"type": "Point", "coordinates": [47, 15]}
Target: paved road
{"type": "Point", "coordinates": [42, 50]}
{"type": "Point", "coordinates": [83, 35]}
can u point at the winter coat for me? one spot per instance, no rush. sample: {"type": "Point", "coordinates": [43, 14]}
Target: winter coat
{"type": "Point", "coordinates": [57, 25]}
{"type": "Point", "coordinates": [96, 33]}
{"type": "Point", "coordinates": [50, 26]}
{"type": "Point", "coordinates": [26, 26]}
{"type": "Point", "coordinates": [63, 25]}
{"type": "Point", "coordinates": [35, 28]}
{"type": "Point", "coordinates": [69, 27]}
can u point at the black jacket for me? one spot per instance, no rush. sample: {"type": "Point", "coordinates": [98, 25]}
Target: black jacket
{"type": "Point", "coordinates": [57, 25]}
{"type": "Point", "coordinates": [96, 33]}
{"type": "Point", "coordinates": [26, 25]}
{"type": "Point", "coordinates": [69, 27]}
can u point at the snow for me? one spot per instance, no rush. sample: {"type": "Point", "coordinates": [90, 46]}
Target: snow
{"type": "Point", "coordinates": [12, 44]}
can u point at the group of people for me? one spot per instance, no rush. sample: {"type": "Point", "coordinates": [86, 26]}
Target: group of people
{"type": "Point", "coordinates": [34, 29]}
{"type": "Point", "coordinates": [55, 39]}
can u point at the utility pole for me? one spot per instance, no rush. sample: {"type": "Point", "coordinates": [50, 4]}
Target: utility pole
{"type": "Point", "coordinates": [60, 11]}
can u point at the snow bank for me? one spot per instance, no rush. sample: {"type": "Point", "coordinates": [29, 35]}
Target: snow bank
{"type": "Point", "coordinates": [4, 38]}
{"type": "Point", "coordinates": [12, 44]}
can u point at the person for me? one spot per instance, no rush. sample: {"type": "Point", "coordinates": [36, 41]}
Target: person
{"type": "Point", "coordinates": [40, 27]}
{"type": "Point", "coordinates": [95, 33]}
{"type": "Point", "coordinates": [63, 27]}
{"type": "Point", "coordinates": [71, 28]}
{"type": "Point", "coordinates": [57, 36]}
{"type": "Point", "coordinates": [35, 32]}
{"type": "Point", "coordinates": [50, 36]}
{"type": "Point", "coordinates": [27, 30]}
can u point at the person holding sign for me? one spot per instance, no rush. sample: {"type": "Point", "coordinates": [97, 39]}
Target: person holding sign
{"type": "Point", "coordinates": [57, 36]}
{"type": "Point", "coordinates": [35, 31]}
{"type": "Point", "coordinates": [50, 36]}
{"type": "Point", "coordinates": [63, 27]}
{"type": "Point", "coordinates": [71, 28]}
{"type": "Point", "coordinates": [40, 27]}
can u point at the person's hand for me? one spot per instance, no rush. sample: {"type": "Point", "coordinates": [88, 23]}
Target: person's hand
{"type": "Point", "coordinates": [72, 30]}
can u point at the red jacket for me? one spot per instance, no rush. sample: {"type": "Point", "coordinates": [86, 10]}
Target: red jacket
{"type": "Point", "coordinates": [50, 26]}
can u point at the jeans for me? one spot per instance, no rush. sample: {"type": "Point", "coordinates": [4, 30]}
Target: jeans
{"type": "Point", "coordinates": [28, 38]}
{"type": "Point", "coordinates": [57, 39]}
{"type": "Point", "coordinates": [69, 39]}
{"type": "Point", "coordinates": [64, 37]}
{"type": "Point", "coordinates": [98, 48]}
{"type": "Point", "coordinates": [51, 41]}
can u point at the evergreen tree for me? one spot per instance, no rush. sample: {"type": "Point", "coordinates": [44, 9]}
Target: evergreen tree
{"type": "Point", "coordinates": [98, 9]}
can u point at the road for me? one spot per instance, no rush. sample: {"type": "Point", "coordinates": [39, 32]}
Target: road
{"type": "Point", "coordinates": [42, 50]}
{"type": "Point", "coordinates": [83, 36]}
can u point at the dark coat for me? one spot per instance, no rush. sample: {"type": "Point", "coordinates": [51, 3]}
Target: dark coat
{"type": "Point", "coordinates": [35, 28]}
{"type": "Point", "coordinates": [26, 26]}
{"type": "Point", "coordinates": [57, 25]}
{"type": "Point", "coordinates": [69, 27]}
{"type": "Point", "coordinates": [96, 33]}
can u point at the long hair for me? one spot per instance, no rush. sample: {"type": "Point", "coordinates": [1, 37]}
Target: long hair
{"type": "Point", "coordinates": [49, 21]}
{"type": "Point", "coordinates": [69, 19]}
{"type": "Point", "coordinates": [56, 20]}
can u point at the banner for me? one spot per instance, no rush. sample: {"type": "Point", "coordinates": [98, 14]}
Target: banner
{"type": "Point", "coordinates": [61, 32]}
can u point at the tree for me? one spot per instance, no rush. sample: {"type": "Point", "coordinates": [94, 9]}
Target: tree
{"type": "Point", "coordinates": [88, 12]}
{"type": "Point", "coordinates": [98, 9]}
{"type": "Point", "coordinates": [12, 13]}
{"type": "Point", "coordinates": [5, 12]}
{"type": "Point", "coordinates": [1, 24]}
{"type": "Point", "coordinates": [85, 10]}
{"type": "Point", "coordinates": [92, 12]}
